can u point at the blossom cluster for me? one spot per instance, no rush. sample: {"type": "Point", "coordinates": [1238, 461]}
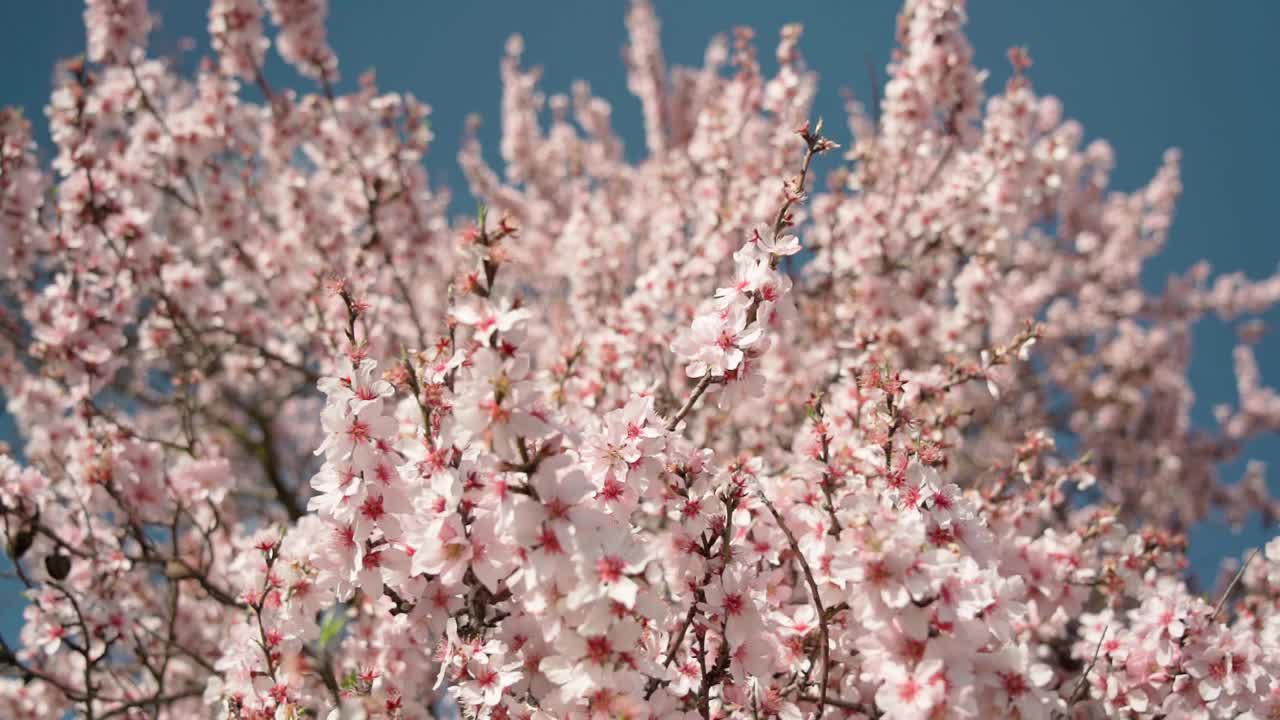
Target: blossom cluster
{"type": "Point", "coordinates": [774, 422]}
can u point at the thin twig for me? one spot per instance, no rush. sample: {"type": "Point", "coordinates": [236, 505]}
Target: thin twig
{"type": "Point", "coordinates": [1078, 691]}
{"type": "Point", "coordinates": [836, 702]}
{"type": "Point", "coordinates": [698, 390]}
{"type": "Point", "coordinates": [1222, 601]}
{"type": "Point", "coordinates": [823, 632]}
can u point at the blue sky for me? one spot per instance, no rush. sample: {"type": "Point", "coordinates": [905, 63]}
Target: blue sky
{"type": "Point", "coordinates": [1144, 75]}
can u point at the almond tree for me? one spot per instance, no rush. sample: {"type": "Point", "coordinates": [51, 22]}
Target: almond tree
{"type": "Point", "coordinates": [772, 423]}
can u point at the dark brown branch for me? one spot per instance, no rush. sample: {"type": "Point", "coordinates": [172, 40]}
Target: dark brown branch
{"type": "Point", "coordinates": [706, 382]}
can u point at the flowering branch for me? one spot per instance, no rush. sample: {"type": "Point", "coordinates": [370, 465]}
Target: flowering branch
{"type": "Point", "coordinates": [824, 644]}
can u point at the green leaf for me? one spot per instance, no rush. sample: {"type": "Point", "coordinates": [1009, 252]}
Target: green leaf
{"type": "Point", "coordinates": [333, 625]}
{"type": "Point", "coordinates": [349, 682]}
